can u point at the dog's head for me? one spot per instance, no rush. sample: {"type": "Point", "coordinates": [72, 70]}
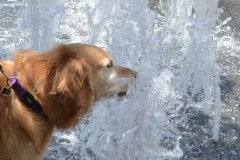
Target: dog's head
{"type": "Point", "coordinates": [107, 77]}
{"type": "Point", "coordinates": [69, 78]}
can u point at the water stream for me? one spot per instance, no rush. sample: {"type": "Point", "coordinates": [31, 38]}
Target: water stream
{"type": "Point", "coordinates": [176, 96]}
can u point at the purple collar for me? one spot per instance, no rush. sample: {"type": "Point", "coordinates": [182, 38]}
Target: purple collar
{"type": "Point", "coordinates": [25, 96]}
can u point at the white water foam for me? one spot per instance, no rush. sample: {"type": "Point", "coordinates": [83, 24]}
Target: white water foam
{"type": "Point", "coordinates": [190, 48]}
{"type": "Point", "coordinates": [173, 52]}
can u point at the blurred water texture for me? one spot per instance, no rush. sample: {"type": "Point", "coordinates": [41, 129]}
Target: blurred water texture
{"type": "Point", "coordinates": [185, 104]}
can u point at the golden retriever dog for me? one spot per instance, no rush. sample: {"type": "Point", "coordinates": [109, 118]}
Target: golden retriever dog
{"type": "Point", "coordinates": [65, 81]}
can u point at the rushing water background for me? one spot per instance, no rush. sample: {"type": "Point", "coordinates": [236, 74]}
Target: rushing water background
{"type": "Point", "coordinates": [174, 109]}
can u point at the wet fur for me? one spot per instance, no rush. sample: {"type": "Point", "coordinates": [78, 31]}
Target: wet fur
{"type": "Point", "coordinates": [66, 81]}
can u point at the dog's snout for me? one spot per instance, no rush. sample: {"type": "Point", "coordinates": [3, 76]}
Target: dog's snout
{"type": "Point", "coordinates": [126, 72]}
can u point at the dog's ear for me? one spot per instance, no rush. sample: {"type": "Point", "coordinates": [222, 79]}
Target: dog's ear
{"type": "Point", "coordinates": [73, 82]}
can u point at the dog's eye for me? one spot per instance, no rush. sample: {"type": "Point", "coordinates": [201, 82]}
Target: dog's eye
{"type": "Point", "coordinates": [110, 64]}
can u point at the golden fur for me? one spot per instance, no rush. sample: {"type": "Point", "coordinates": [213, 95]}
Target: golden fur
{"type": "Point", "coordinates": [66, 81]}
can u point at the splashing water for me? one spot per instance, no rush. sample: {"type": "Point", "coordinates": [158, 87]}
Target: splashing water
{"type": "Point", "coordinates": [190, 48]}
{"type": "Point", "coordinates": [173, 53]}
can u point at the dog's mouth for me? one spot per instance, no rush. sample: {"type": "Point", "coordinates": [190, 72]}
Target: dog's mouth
{"type": "Point", "coordinates": [123, 91]}
{"type": "Point", "coordinates": [120, 94]}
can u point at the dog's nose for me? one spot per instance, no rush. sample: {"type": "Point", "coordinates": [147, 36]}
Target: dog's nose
{"type": "Point", "coordinates": [135, 74]}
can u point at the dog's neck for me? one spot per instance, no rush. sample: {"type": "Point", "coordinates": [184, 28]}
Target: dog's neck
{"type": "Point", "coordinates": [26, 97]}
